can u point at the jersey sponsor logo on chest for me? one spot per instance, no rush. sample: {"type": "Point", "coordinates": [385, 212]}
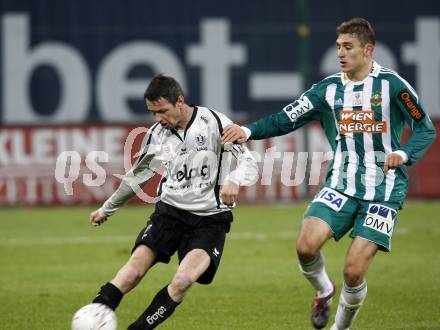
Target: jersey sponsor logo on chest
{"type": "Point", "coordinates": [360, 121]}
{"type": "Point", "coordinates": [331, 198]}
{"type": "Point", "coordinates": [186, 173]}
{"type": "Point", "coordinates": [380, 218]}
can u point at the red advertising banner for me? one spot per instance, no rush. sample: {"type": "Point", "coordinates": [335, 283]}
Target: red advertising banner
{"type": "Point", "coordinates": [83, 165]}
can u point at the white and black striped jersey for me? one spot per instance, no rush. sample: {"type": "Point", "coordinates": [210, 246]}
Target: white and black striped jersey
{"type": "Point", "coordinates": [193, 165]}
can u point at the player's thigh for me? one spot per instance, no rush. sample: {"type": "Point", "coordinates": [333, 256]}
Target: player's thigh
{"type": "Point", "coordinates": [163, 233]}
{"type": "Point", "coordinates": [210, 237]}
{"type": "Point", "coordinates": [312, 236]}
{"type": "Point", "coordinates": [335, 209]}
{"type": "Point", "coordinates": [359, 255]}
{"type": "Point", "coordinates": [376, 222]}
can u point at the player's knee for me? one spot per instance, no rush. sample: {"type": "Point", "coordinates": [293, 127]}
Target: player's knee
{"type": "Point", "coordinates": [353, 275]}
{"type": "Point", "coordinates": [131, 275]}
{"type": "Point", "coordinates": [182, 282]}
{"type": "Point", "coordinates": [305, 249]}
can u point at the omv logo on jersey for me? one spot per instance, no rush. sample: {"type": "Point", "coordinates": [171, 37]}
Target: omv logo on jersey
{"type": "Point", "coordinates": [291, 106]}
{"type": "Point", "coordinates": [380, 218]}
{"type": "Point", "coordinates": [297, 108]}
{"type": "Point", "coordinates": [331, 198]}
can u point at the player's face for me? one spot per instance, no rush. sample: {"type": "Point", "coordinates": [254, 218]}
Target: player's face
{"type": "Point", "coordinates": [353, 57]}
{"type": "Point", "coordinates": [165, 113]}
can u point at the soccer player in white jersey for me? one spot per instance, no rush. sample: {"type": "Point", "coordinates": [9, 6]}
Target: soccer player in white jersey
{"type": "Point", "coordinates": [362, 111]}
{"type": "Point", "coordinates": [194, 211]}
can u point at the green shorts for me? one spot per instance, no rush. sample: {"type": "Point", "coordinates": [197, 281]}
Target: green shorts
{"type": "Point", "coordinates": [372, 220]}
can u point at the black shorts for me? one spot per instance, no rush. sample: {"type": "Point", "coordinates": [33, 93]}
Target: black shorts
{"type": "Point", "coordinates": [171, 229]}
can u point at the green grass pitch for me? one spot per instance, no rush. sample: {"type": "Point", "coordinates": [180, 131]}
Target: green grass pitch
{"type": "Point", "coordinates": [52, 262]}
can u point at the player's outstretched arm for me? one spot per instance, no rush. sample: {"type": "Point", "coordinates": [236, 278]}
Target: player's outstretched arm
{"type": "Point", "coordinates": [293, 116]}
{"type": "Point", "coordinates": [133, 181]}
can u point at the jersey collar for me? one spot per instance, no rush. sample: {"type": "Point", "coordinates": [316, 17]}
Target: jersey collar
{"type": "Point", "coordinates": [374, 72]}
{"type": "Point", "coordinates": [193, 117]}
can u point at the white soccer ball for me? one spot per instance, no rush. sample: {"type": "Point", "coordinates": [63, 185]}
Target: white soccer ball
{"type": "Point", "coordinates": [93, 317]}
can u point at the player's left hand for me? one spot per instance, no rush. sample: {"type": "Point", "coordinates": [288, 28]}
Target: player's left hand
{"type": "Point", "coordinates": [392, 161]}
{"type": "Point", "coordinates": [229, 192]}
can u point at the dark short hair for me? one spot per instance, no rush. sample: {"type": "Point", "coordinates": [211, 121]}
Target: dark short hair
{"type": "Point", "coordinates": [163, 86]}
{"type": "Point", "coordinates": [360, 27]}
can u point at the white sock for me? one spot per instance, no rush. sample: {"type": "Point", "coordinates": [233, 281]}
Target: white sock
{"type": "Point", "coordinates": [334, 327]}
{"type": "Point", "coordinates": [350, 302]}
{"type": "Point", "coordinates": [315, 272]}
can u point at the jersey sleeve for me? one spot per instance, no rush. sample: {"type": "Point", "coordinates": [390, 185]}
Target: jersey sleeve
{"type": "Point", "coordinates": [423, 131]}
{"type": "Point", "coordinates": [246, 171]}
{"type": "Point", "coordinates": [300, 112]}
{"type": "Point", "coordinates": [134, 180]}
{"type": "Point", "coordinates": [224, 120]}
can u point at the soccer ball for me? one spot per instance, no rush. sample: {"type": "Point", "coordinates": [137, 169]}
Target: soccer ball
{"type": "Point", "coordinates": [93, 317]}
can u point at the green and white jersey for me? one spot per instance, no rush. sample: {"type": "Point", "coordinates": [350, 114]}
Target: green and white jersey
{"type": "Point", "coordinates": [363, 122]}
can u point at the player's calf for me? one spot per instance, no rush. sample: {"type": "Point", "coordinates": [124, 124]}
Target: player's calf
{"type": "Point", "coordinates": [161, 307]}
{"type": "Point", "coordinates": [350, 302]}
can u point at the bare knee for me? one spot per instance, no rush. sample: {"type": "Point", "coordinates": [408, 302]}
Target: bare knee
{"type": "Point", "coordinates": [353, 274]}
{"type": "Point", "coordinates": [133, 274]}
{"type": "Point", "coordinates": [181, 283]}
{"type": "Point", "coordinates": [306, 249]}
{"type": "Point", "coordinates": [314, 233]}
{"type": "Point", "coordinates": [128, 277]}
{"type": "Point", "coordinates": [358, 259]}
{"type": "Point", "coordinates": [134, 270]}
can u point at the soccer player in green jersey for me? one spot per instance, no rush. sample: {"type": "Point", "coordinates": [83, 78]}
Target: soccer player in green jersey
{"type": "Point", "coordinates": [362, 111]}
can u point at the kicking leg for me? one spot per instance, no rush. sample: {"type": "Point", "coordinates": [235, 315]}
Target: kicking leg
{"type": "Point", "coordinates": [193, 265]}
{"type": "Point", "coordinates": [127, 278]}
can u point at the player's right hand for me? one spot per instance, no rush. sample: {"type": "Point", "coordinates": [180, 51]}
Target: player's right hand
{"type": "Point", "coordinates": [96, 218]}
{"type": "Point", "coordinates": [229, 192]}
{"type": "Point", "coordinates": [233, 133]}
